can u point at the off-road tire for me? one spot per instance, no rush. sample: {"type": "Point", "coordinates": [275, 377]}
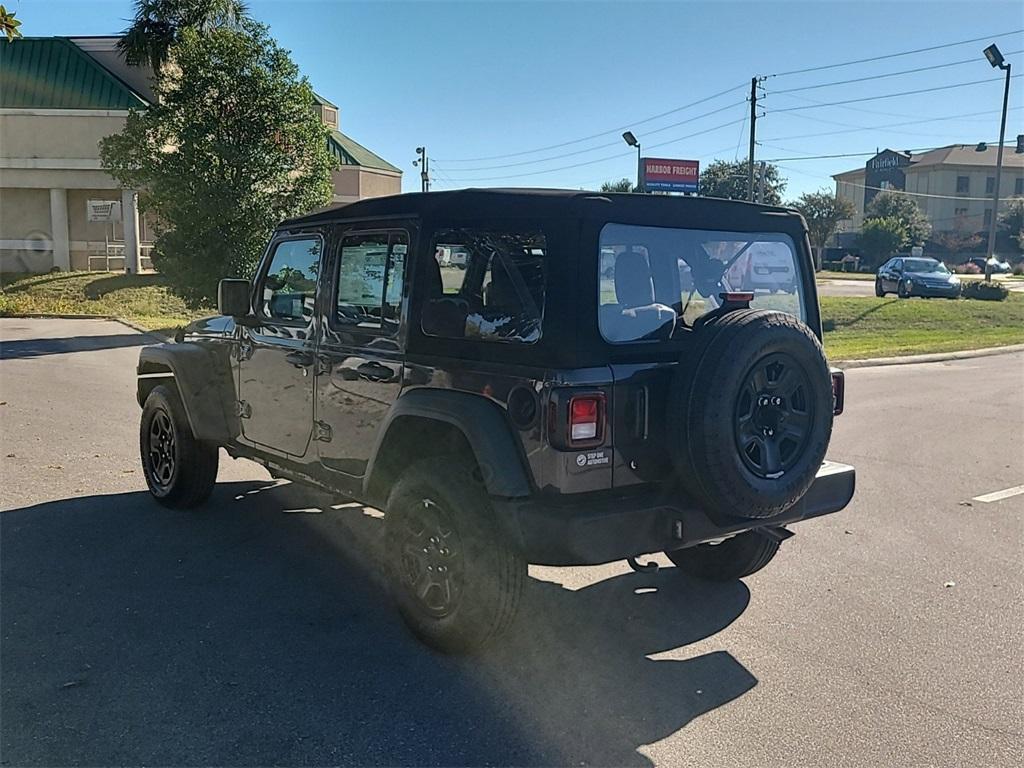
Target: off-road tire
{"type": "Point", "coordinates": [732, 559]}
{"type": "Point", "coordinates": [878, 289]}
{"type": "Point", "coordinates": [194, 470]}
{"type": "Point", "coordinates": [714, 372]}
{"type": "Point", "coordinates": [488, 570]}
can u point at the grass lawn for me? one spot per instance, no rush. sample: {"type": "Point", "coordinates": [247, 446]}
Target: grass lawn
{"type": "Point", "coordinates": [854, 327]}
{"type": "Point", "coordinates": [870, 327]}
{"type": "Point", "coordinates": [142, 299]}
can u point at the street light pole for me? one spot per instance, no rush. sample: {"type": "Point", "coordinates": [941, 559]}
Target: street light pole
{"type": "Point", "coordinates": [995, 58]}
{"type": "Point", "coordinates": [630, 139]}
{"type": "Point", "coordinates": [424, 164]}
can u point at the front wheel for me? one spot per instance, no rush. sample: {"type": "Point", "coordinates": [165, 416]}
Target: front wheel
{"type": "Point", "coordinates": [456, 580]}
{"type": "Point", "coordinates": [732, 559]}
{"type": "Point", "coordinates": [902, 291]}
{"type": "Point", "coordinates": [180, 470]}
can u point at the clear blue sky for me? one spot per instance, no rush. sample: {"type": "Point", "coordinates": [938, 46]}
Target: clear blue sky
{"type": "Point", "coordinates": [472, 80]}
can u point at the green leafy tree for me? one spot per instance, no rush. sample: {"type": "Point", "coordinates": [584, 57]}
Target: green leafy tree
{"type": "Point", "coordinates": [879, 239]}
{"type": "Point", "coordinates": [1010, 226]}
{"type": "Point", "coordinates": [823, 211]}
{"type": "Point", "coordinates": [9, 25]}
{"type": "Point", "coordinates": [903, 208]}
{"type": "Point", "coordinates": [726, 179]}
{"type": "Point", "coordinates": [159, 24]}
{"type": "Point", "coordinates": [231, 147]}
{"type": "Point", "coordinates": [622, 185]}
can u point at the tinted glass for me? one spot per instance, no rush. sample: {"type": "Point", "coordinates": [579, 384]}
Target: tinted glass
{"type": "Point", "coordinates": [487, 285]}
{"type": "Point", "coordinates": [289, 288]}
{"type": "Point", "coordinates": [371, 280]}
{"type": "Point", "coordinates": [653, 279]}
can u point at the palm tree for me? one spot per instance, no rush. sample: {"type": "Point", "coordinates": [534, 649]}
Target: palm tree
{"type": "Point", "coordinates": [158, 24]}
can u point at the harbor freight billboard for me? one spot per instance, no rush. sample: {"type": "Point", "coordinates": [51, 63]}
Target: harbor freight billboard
{"type": "Point", "coordinates": [663, 175]}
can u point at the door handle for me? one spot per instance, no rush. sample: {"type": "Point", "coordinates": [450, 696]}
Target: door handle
{"type": "Point", "coordinates": [374, 371]}
{"type": "Point", "coordinates": [300, 359]}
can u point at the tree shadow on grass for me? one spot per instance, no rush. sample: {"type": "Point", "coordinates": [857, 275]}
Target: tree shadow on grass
{"type": "Point", "coordinates": [236, 635]}
{"type": "Point", "coordinates": [97, 289]}
{"type": "Point", "coordinates": [831, 325]}
{"type": "Point", "coordinates": [20, 282]}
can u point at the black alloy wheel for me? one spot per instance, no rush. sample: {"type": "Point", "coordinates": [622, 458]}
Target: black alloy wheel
{"type": "Point", "coordinates": [774, 414]}
{"type": "Point", "coordinates": [432, 568]}
{"type": "Point", "coordinates": [162, 449]}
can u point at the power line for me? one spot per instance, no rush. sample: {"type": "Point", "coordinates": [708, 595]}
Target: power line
{"type": "Point", "coordinates": [972, 60]}
{"type": "Point", "coordinates": [987, 198]}
{"type": "Point", "coordinates": [843, 154]}
{"type": "Point", "coordinates": [895, 55]}
{"type": "Point", "coordinates": [915, 121]}
{"type": "Point", "coordinates": [601, 159]}
{"type": "Point", "coordinates": [602, 146]}
{"type": "Point", "coordinates": [890, 95]}
{"type": "Point", "coordinates": [598, 135]}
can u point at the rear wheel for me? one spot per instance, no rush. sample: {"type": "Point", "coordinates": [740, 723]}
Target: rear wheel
{"type": "Point", "coordinates": [456, 580]}
{"type": "Point", "coordinates": [878, 289]}
{"type": "Point", "coordinates": [731, 559]}
{"type": "Point", "coordinates": [180, 470]}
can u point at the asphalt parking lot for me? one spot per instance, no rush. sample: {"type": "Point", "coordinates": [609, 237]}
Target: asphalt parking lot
{"type": "Point", "coordinates": [254, 631]}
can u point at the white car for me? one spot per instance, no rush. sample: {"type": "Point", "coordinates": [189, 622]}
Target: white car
{"type": "Point", "coordinates": [770, 268]}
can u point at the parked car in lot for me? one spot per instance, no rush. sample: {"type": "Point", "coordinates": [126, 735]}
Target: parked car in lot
{"type": "Point", "coordinates": [996, 266]}
{"type": "Point", "coordinates": [540, 410]}
{"type": "Point", "coordinates": [914, 276]}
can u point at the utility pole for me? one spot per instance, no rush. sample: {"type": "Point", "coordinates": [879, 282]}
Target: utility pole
{"type": "Point", "coordinates": [750, 156]}
{"type": "Point", "coordinates": [424, 163]}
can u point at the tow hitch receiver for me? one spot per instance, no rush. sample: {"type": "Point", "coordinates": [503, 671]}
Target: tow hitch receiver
{"type": "Point", "coordinates": [641, 567]}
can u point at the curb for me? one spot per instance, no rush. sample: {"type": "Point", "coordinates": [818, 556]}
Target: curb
{"type": "Point", "coordinates": [935, 357]}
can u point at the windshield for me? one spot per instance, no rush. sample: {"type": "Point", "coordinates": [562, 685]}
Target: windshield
{"type": "Point", "coordinates": [655, 279]}
{"type": "Point", "coordinates": [924, 265]}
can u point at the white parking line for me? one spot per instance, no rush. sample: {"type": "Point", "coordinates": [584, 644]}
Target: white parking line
{"type": "Point", "coordinates": [998, 495]}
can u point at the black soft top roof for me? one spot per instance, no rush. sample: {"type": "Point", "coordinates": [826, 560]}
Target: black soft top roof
{"type": "Point", "coordinates": [665, 210]}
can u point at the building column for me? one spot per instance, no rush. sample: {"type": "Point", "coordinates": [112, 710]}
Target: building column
{"type": "Point", "coordinates": [130, 220]}
{"type": "Point", "coordinates": [59, 228]}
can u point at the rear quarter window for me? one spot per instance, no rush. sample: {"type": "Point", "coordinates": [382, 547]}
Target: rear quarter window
{"type": "Point", "coordinates": [655, 278]}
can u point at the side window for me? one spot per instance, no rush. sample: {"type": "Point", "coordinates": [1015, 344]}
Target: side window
{"type": "Point", "coordinates": [486, 285]}
{"type": "Point", "coordinates": [371, 279]}
{"type": "Point", "coordinates": [897, 266]}
{"type": "Point", "coordinates": [288, 290]}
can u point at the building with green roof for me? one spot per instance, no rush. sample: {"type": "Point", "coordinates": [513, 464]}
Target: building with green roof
{"type": "Point", "coordinates": [59, 96]}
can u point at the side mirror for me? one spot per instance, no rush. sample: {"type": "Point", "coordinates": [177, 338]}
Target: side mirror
{"type": "Point", "coordinates": [233, 297]}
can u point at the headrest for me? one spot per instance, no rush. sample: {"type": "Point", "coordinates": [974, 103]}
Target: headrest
{"type": "Point", "coordinates": [633, 284]}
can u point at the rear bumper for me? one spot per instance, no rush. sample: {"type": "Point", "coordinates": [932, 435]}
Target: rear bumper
{"type": "Point", "coordinates": [589, 533]}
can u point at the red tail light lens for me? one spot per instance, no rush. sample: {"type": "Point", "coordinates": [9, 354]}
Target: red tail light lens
{"type": "Point", "coordinates": [586, 419]}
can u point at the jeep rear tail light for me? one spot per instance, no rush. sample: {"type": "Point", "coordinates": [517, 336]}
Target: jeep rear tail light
{"type": "Point", "coordinates": [586, 420]}
{"type": "Point", "coordinates": [838, 390]}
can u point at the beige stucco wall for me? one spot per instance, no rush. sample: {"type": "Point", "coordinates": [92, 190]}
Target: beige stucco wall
{"type": "Point", "coordinates": [28, 134]}
{"type": "Point", "coordinates": [24, 213]}
{"type": "Point", "coordinates": [375, 183]}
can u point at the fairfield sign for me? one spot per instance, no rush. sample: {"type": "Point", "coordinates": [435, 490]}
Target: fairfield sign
{"type": "Point", "coordinates": [664, 175]}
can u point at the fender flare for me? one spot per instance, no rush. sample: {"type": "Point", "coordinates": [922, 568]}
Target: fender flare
{"type": "Point", "coordinates": [205, 385]}
{"type": "Point", "coordinates": [481, 422]}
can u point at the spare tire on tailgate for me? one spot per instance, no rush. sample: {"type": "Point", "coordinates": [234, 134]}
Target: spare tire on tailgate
{"type": "Point", "coordinates": [753, 401]}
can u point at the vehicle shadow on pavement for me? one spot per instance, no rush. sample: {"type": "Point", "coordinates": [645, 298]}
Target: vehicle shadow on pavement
{"type": "Point", "coordinates": [25, 348]}
{"type": "Point", "coordinates": [238, 635]}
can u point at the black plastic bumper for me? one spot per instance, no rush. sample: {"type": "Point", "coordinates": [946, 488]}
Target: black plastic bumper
{"type": "Point", "coordinates": [593, 532]}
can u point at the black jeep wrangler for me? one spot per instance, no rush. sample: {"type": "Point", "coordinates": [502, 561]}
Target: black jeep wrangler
{"type": "Point", "coordinates": [598, 377]}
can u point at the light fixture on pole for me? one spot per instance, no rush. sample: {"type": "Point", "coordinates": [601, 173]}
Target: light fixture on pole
{"type": "Point", "coordinates": [424, 164]}
{"type": "Point", "coordinates": [631, 140]}
{"type": "Point", "coordinates": [995, 58]}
